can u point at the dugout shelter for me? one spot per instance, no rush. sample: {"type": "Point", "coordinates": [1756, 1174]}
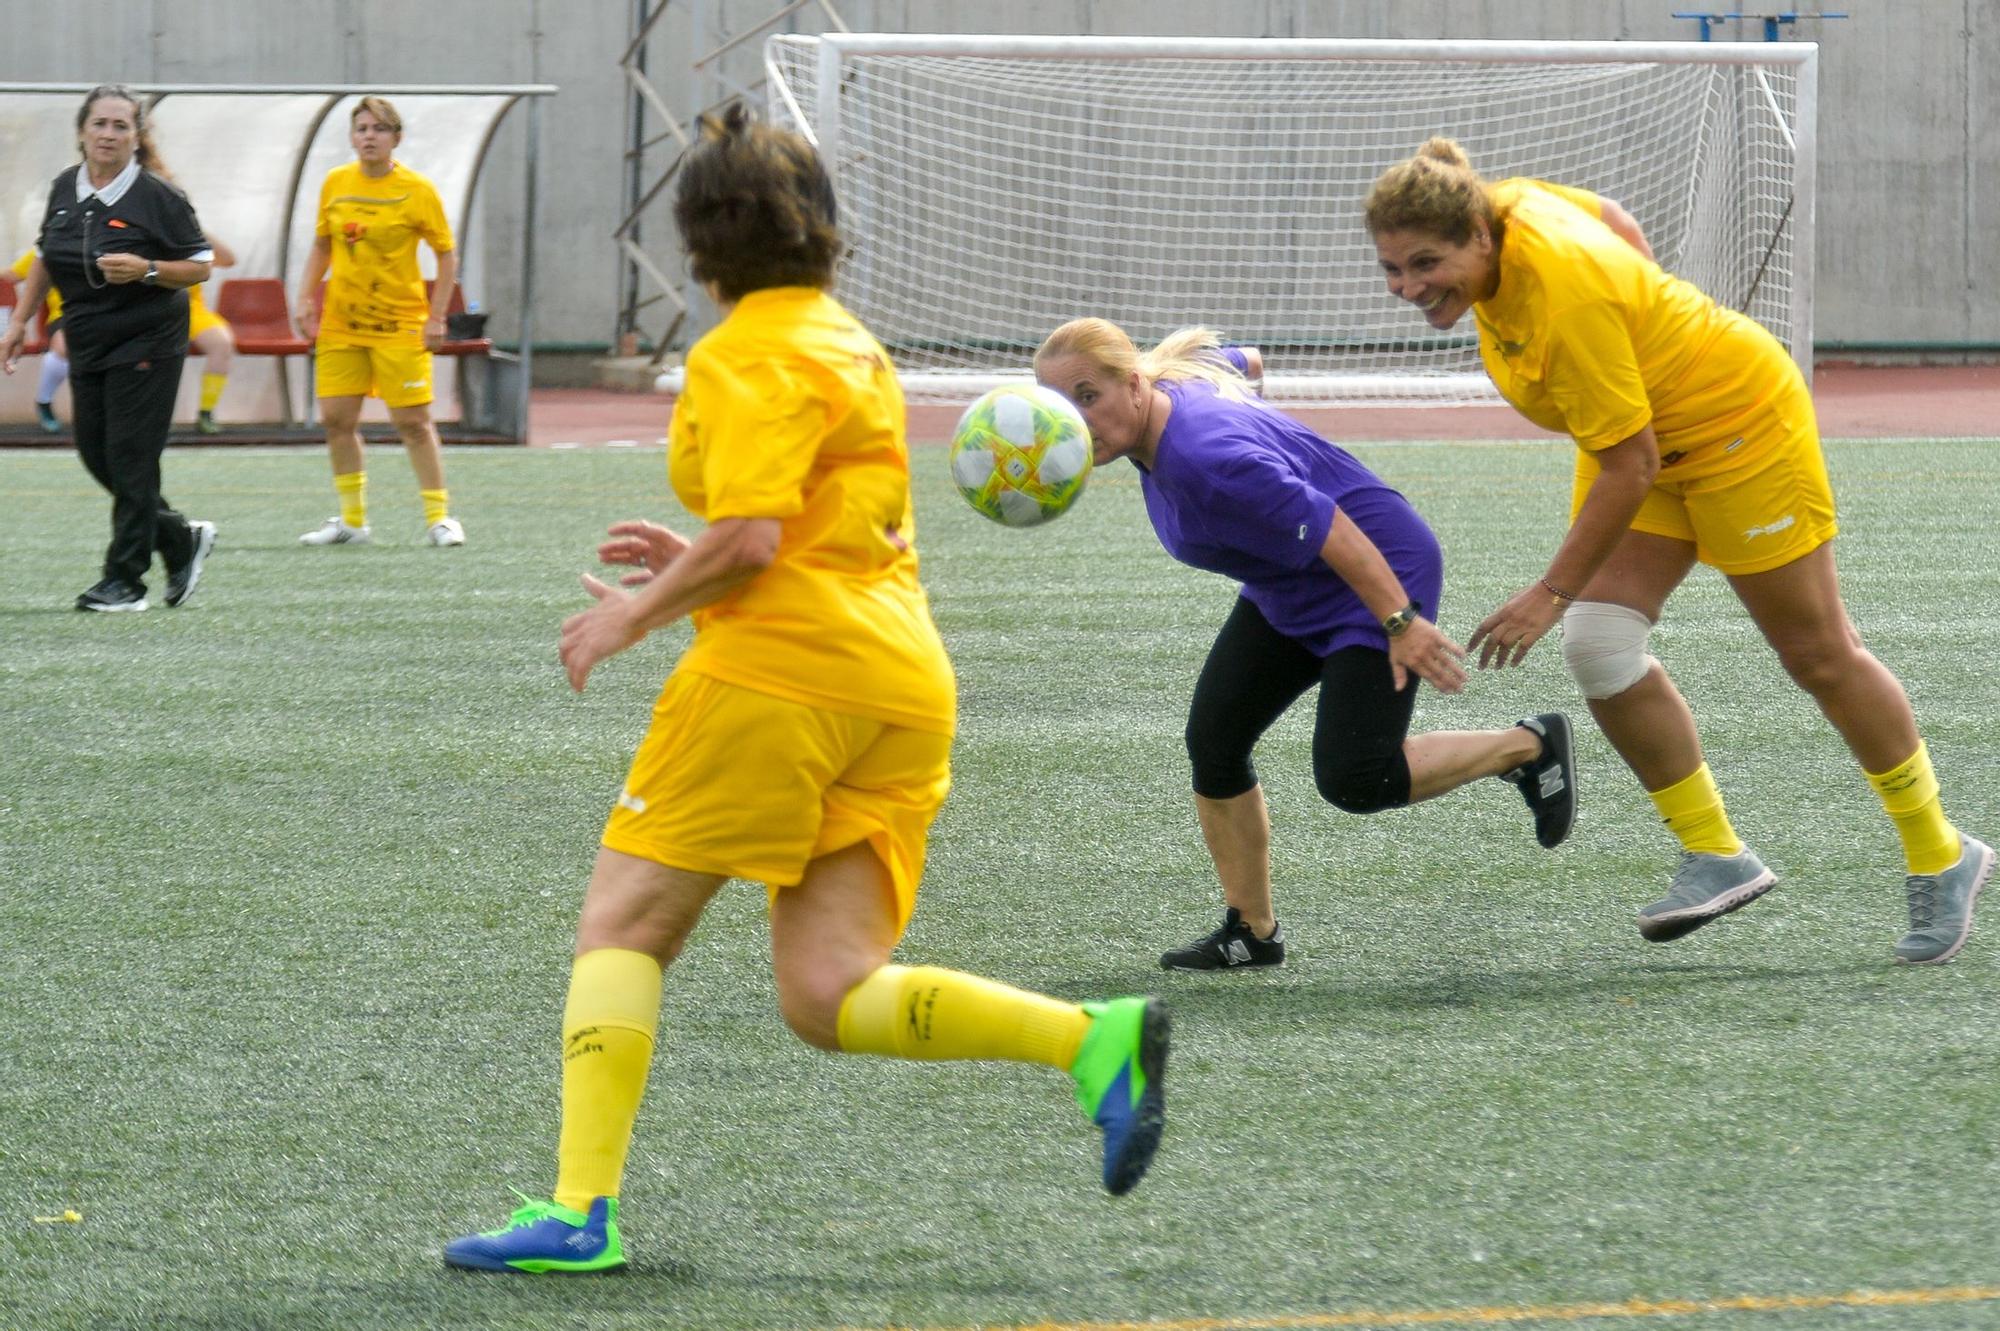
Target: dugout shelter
{"type": "Point", "coordinates": [251, 158]}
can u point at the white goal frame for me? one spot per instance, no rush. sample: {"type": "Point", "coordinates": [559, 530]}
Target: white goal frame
{"type": "Point", "coordinates": [813, 83]}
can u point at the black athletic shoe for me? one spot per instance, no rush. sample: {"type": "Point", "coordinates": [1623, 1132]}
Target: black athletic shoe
{"type": "Point", "coordinates": [1235, 946]}
{"type": "Point", "coordinates": [112, 594]}
{"type": "Point", "coordinates": [181, 581]}
{"type": "Point", "coordinates": [1548, 783]}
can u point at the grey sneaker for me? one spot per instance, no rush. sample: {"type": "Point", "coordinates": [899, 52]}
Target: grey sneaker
{"type": "Point", "coordinates": [1941, 906]}
{"type": "Point", "coordinates": [1705, 887]}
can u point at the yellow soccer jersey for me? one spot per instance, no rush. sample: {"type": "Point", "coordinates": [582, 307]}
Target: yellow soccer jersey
{"type": "Point", "coordinates": [792, 411]}
{"type": "Point", "coordinates": [53, 303]}
{"type": "Point", "coordinates": [375, 291]}
{"type": "Point", "coordinates": [1587, 337]}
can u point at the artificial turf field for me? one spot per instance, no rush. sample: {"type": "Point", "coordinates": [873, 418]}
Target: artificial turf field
{"type": "Point", "coordinates": [288, 878]}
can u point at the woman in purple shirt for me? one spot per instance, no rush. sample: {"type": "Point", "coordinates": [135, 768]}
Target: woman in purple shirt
{"type": "Point", "coordinates": [1341, 580]}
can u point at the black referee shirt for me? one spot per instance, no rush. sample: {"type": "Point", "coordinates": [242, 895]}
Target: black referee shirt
{"type": "Point", "coordinates": [119, 324]}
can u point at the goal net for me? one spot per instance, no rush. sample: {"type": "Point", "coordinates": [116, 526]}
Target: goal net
{"type": "Point", "coordinates": [992, 188]}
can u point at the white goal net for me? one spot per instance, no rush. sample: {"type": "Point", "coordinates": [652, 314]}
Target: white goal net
{"type": "Point", "coordinates": [992, 188]}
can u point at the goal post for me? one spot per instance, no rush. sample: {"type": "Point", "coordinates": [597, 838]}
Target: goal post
{"type": "Point", "coordinates": [994, 187]}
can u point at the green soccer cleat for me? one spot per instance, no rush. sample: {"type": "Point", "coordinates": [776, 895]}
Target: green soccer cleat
{"type": "Point", "coordinates": [545, 1238]}
{"type": "Point", "coordinates": [1120, 1073]}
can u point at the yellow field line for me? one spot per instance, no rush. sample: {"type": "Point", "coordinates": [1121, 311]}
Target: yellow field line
{"type": "Point", "coordinates": [1558, 1312]}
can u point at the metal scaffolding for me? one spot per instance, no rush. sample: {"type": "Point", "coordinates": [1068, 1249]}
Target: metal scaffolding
{"type": "Point", "coordinates": [657, 311]}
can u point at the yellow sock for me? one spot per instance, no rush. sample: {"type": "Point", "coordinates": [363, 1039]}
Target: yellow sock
{"type": "Point", "coordinates": [1909, 792]}
{"type": "Point", "coordinates": [608, 1026]}
{"type": "Point", "coordinates": [211, 390]}
{"type": "Point", "coordinates": [437, 506]}
{"type": "Point", "coordinates": [927, 1012]}
{"type": "Point", "coordinates": [1692, 810]}
{"type": "Point", "coordinates": [353, 491]}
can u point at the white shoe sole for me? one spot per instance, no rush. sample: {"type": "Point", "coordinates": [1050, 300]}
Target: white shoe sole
{"type": "Point", "coordinates": [1679, 923]}
{"type": "Point", "coordinates": [204, 545]}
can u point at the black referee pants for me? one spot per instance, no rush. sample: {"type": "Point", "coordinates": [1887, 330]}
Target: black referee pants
{"type": "Point", "coordinates": [1254, 673]}
{"type": "Point", "coordinates": [121, 418]}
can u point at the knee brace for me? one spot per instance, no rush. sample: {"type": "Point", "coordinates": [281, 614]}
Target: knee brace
{"type": "Point", "coordinates": [1604, 646]}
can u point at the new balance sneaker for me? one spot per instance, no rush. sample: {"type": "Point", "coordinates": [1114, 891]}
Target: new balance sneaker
{"type": "Point", "coordinates": [181, 581]}
{"type": "Point", "coordinates": [1941, 906]}
{"type": "Point", "coordinates": [1121, 1082]}
{"type": "Point", "coordinates": [1235, 946]}
{"type": "Point", "coordinates": [335, 532]}
{"type": "Point", "coordinates": [204, 423]}
{"type": "Point", "coordinates": [445, 531]}
{"type": "Point", "coordinates": [1705, 887]}
{"type": "Point", "coordinates": [45, 414]}
{"type": "Point", "coordinates": [545, 1238]}
{"type": "Point", "coordinates": [1548, 783]}
{"type": "Point", "coordinates": [112, 594]}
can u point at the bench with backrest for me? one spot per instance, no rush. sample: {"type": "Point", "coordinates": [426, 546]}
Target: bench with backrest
{"type": "Point", "coordinates": [260, 320]}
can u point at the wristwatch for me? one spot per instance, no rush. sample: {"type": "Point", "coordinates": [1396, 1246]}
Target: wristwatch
{"type": "Point", "coordinates": [1399, 623]}
{"type": "Point", "coordinates": [152, 276]}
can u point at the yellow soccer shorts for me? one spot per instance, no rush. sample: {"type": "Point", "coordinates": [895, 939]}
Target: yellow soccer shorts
{"type": "Point", "coordinates": [748, 785]}
{"type": "Point", "coordinates": [399, 375]}
{"type": "Point", "coordinates": [200, 317]}
{"type": "Point", "coordinates": [1775, 507]}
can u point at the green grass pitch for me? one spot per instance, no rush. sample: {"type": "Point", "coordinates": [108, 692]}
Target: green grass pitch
{"type": "Point", "coordinates": [288, 879]}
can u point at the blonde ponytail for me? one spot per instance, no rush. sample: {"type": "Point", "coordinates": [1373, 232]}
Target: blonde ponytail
{"type": "Point", "coordinates": [1191, 353]}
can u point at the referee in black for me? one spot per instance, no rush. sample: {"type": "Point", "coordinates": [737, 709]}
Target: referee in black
{"type": "Point", "coordinates": [122, 246]}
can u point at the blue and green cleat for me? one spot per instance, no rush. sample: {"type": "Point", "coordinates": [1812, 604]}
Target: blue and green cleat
{"type": "Point", "coordinates": [1121, 1073]}
{"type": "Point", "coordinates": [545, 1238]}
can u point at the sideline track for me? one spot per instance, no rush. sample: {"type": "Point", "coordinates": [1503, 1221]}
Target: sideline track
{"type": "Point", "coordinates": [1530, 1313]}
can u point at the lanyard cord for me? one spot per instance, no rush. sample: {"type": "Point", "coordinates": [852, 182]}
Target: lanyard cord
{"type": "Point", "coordinates": [95, 281]}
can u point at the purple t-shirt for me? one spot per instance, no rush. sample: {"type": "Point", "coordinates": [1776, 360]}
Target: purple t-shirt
{"type": "Point", "coordinates": [1241, 489]}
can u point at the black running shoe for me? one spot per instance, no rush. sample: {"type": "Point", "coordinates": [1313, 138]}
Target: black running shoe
{"type": "Point", "coordinates": [1235, 946]}
{"type": "Point", "coordinates": [112, 594]}
{"type": "Point", "coordinates": [1548, 783]}
{"type": "Point", "coordinates": [181, 581]}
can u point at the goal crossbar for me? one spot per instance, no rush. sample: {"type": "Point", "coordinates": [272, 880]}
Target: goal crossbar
{"type": "Point", "coordinates": [992, 187]}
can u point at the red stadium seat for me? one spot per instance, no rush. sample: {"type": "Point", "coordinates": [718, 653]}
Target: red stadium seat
{"type": "Point", "coordinates": [38, 335]}
{"type": "Point", "coordinates": [260, 319]}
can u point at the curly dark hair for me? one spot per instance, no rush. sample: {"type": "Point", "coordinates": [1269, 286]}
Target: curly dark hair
{"type": "Point", "coordinates": [755, 208]}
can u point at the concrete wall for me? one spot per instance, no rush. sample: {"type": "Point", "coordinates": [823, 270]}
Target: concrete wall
{"type": "Point", "coordinates": [1908, 183]}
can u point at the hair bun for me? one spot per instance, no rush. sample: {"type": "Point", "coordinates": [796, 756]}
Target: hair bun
{"type": "Point", "coordinates": [1447, 151]}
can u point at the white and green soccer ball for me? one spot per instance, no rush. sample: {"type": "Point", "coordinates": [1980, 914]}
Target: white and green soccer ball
{"type": "Point", "coordinates": [1021, 454]}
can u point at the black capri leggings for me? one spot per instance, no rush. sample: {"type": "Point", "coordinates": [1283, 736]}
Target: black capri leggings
{"type": "Point", "coordinates": [1254, 673]}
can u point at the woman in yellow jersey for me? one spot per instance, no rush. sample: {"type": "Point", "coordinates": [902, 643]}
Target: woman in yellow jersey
{"type": "Point", "coordinates": [210, 338]}
{"type": "Point", "coordinates": [1696, 442]}
{"type": "Point", "coordinates": [55, 360]}
{"type": "Point", "coordinates": [803, 739]}
{"type": "Point", "coordinates": [378, 329]}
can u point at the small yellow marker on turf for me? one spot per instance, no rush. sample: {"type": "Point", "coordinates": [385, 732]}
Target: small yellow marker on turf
{"type": "Point", "coordinates": [66, 1218]}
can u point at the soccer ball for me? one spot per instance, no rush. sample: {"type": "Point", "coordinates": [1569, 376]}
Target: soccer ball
{"type": "Point", "coordinates": [1021, 454]}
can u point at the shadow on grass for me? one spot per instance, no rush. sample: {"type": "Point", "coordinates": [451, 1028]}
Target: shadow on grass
{"type": "Point", "coordinates": [654, 1292]}
{"type": "Point", "coordinates": [1332, 992]}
